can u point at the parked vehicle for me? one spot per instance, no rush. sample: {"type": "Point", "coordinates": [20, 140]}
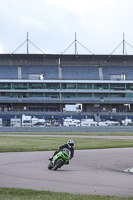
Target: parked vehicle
{"type": "Point", "coordinates": [1, 122]}
{"type": "Point", "coordinates": [15, 122]}
{"type": "Point", "coordinates": [102, 123]}
{"type": "Point", "coordinates": [71, 122]}
{"type": "Point", "coordinates": [48, 123]}
{"type": "Point", "coordinates": [73, 108]}
{"type": "Point", "coordinates": [127, 122]}
{"type": "Point", "coordinates": [36, 121]}
{"type": "Point", "coordinates": [112, 123]}
{"type": "Point", "coordinates": [26, 121]}
{"type": "Point", "coordinates": [88, 122]}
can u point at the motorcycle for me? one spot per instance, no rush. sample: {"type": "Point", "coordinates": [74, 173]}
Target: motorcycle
{"type": "Point", "coordinates": [60, 159]}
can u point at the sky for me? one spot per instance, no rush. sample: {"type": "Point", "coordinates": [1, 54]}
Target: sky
{"type": "Point", "coordinates": [57, 26]}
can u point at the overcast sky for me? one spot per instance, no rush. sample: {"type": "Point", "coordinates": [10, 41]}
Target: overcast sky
{"type": "Point", "coordinates": [51, 25]}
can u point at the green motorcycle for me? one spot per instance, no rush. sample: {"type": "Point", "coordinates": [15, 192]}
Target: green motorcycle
{"type": "Point", "coordinates": [60, 159]}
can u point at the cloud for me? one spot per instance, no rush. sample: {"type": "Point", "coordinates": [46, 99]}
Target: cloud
{"type": "Point", "coordinates": [82, 7]}
{"type": "Point", "coordinates": [32, 22]}
{"type": "Point", "coordinates": [52, 24]}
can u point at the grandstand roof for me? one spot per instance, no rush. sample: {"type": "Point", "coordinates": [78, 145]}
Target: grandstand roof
{"type": "Point", "coordinates": [66, 57]}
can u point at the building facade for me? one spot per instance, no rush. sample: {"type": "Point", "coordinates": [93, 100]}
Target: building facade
{"type": "Point", "coordinates": [46, 83]}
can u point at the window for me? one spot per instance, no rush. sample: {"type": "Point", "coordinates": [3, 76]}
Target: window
{"type": "Point", "coordinates": [19, 86]}
{"type": "Point", "coordinates": [116, 86]}
{"type": "Point", "coordinates": [35, 86]}
{"type": "Point", "coordinates": [100, 86]}
{"type": "Point", "coordinates": [52, 86]}
{"type": "Point", "coordinates": [68, 86]}
{"type": "Point", "coordinates": [5, 86]}
{"type": "Point", "coordinates": [68, 95]}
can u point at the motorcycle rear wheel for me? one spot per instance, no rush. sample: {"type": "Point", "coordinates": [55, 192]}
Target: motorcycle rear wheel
{"type": "Point", "coordinates": [58, 165]}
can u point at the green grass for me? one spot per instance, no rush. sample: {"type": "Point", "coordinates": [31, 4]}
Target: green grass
{"type": "Point", "coordinates": [69, 133]}
{"type": "Point", "coordinates": [28, 143]}
{"type": "Point", "coordinates": [23, 194]}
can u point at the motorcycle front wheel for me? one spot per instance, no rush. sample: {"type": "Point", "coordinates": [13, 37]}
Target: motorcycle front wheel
{"type": "Point", "coordinates": [50, 166]}
{"type": "Point", "coordinates": [58, 165]}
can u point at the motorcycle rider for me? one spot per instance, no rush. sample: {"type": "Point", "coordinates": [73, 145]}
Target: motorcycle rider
{"type": "Point", "coordinates": [69, 146]}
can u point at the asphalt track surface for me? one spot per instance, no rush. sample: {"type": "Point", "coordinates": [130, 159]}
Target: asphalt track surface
{"type": "Point", "coordinates": [97, 172]}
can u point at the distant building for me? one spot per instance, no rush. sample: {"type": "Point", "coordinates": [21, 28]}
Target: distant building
{"type": "Point", "coordinates": [46, 83]}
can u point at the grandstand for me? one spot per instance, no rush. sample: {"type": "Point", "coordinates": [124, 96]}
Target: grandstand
{"type": "Point", "coordinates": [40, 84]}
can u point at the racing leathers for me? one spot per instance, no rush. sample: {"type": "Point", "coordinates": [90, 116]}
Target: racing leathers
{"type": "Point", "coordinates": [62, 147]}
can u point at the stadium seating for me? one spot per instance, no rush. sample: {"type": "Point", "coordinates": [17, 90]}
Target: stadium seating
{"type": "Point", "coordinates": [8, 72]}
{"type": "Point", "coordinates": [68, 72]}
{"type": "Point", "coordinates": [117, 70]}
{"type": "Point", "coordinates": [80, 72]}
{"type": "Point", "coordinates": [50, 72]}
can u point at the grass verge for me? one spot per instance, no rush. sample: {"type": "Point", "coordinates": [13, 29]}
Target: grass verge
{"type": "Point", "coordinates": [69, 133]}
{"type": "Point", "coordinates": [24, 194]}
{"type": "Point", "coordinates": [27, 143]}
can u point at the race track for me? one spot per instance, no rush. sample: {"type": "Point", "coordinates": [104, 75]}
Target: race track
{"type": "Point", "coordinates": [97, 172]}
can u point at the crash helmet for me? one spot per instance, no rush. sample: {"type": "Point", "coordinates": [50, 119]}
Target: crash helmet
{"type": "Point", "coordinates": [71, 143]}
